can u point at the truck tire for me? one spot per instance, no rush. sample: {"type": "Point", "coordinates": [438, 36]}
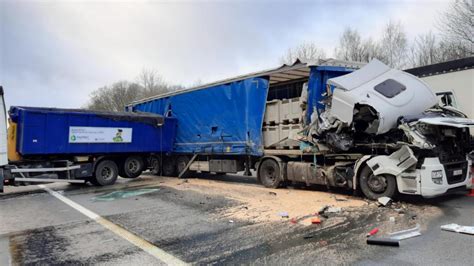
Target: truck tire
{"type": "Point", "coordinates": [269, 173]}
{"type": "Point", "coordinates": [169, 166]}
{"type": "Point", "coordinates": [155, 165]}
{"type": "Point", "coordinates": [181, 163]}
{"type": "Point", "coordinates": [133, 167]}
{"type": "Point", "coordinates": [374, 187]}
{"type": "Point", "coordinates": [105, 174]}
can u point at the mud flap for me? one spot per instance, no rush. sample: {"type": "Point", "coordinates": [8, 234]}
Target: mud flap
{"type": "Point", "coordinates": [393, 164]}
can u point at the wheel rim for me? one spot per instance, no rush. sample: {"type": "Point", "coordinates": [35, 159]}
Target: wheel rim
{"type": "Point", "coordinates": [107, 173]}
{"type": "Point", "coordinates": [133, 166]}
{"type": "Point", "coordinates": [269, 173]}
{"type": "Point", "coordinates": [377, 183]}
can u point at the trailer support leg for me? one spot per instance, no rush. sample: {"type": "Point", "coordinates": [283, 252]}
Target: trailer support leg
{"type": "Point", "coordinates": [247, 167]}
{"type": "Point", "coordinates": [187, 166]}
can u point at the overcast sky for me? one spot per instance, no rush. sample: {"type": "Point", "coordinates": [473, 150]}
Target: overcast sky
{"type": "Point", "coordinates": [56, 53]}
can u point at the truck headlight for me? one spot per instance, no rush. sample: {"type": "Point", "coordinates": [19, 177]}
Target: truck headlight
{"type": "Point", "coordinates": [437, 177]}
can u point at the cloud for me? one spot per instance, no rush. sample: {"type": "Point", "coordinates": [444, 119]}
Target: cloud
{"type": "Point", "coordinates": [57, 53]}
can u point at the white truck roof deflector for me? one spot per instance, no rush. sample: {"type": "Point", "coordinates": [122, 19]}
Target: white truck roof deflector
{"type": "Point", "coordinates": [357, 78]}
{"type": "Point", "coordinates": [391, 93]}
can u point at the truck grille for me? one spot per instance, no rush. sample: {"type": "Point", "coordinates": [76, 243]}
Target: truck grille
{"type": "Point", "coordinates": [455, 172]}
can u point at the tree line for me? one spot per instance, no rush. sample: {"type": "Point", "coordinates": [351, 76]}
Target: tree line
{"type": "Point", "coordinates": [116, 96]}
{"type": "Point", "coordinates": [455, 41]}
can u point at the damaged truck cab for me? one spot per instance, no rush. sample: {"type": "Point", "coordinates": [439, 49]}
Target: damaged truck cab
{"type": "Point", "coordinates": [334, 123]}
{"type": "Point", "coordinates": [410, 145]}
{"type": "Point", "coordinates": [440, 145]}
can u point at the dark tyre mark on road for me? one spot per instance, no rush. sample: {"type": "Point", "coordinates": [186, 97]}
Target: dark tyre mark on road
{"type": "Point", "coordinates": [57, 246]}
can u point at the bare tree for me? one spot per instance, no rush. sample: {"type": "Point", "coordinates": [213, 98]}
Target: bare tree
{"type": "Point", "coordinates": [457, 24]}
{"type": "Point", "coordinates": [350, 46]}
{"type": "Point", "coordinates": [393, 45]}
{"type": "Point", "coordinates": [425, 50]}
{"type": "Point", "coordinates": [371, 50]}
{"type": "Point", "coordinates": [449, 50]}
{"type": "Point", "coordinates": [114, 97]}
{"type": "Point", "coordinates": [152, 83]}
{"type": "Point", "coordinates": [305, 52]}
{"type": "Point", "coordinates": [353, 48]}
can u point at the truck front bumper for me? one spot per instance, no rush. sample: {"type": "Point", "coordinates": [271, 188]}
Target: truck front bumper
{"type": "Point", "coordinates": [436, 179]}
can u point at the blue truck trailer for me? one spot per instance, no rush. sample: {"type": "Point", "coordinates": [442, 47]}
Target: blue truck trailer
{"type": "Point", "coordinates": [334, 123]}
{"type": "Point", "coordinates": [75, 145]}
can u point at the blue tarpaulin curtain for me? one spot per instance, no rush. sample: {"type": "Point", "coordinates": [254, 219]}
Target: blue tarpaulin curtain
{"type": "Point", "coordinates": [222, 119]}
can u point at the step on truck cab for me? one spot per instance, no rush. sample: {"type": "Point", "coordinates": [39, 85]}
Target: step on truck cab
{"type": "Point", "coordinates": [363, 127]}
{"type": "Point", "coordinates": [77, 146]}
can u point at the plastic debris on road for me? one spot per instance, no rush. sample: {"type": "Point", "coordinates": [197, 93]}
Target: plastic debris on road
{"type": "Point", "coordinates": [383, 242]}
{"type": "Point", "coordinates": [373, 232]}
{"type": "Point", "coordinates": [458, 228]}
{"type": "Point", "coordinates": [122, 194]}
{"type": "Point", "coordinates": [333, 209]}
{"type": "Point", "coordinates": [323, 209]}
{"type": "Point", "coordinates": [338, 198]}
{"type": "Point", "coordinates": [405, 234]}
{"type": "Point", "coordinates": [384, 201]}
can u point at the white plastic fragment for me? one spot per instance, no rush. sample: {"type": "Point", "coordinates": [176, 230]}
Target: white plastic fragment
{"type": "Point", "coordinates": [458, 228]}
{"type": "Point", "coordinates": [333, 209]}
{"type": "Point", "coordinates": [405, 234]}
{"type": "Point", "coordinates": [384, 200]}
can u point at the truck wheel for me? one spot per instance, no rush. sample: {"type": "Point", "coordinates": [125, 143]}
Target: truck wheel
{"type": "Point", "coordinates": [269, 173]}
{"type": "Point", "coordinates": [169, 166]}
{"type": "Point", "coordinates": [155, 165]}
{"type": "Point", "coordinates": [106, 173]}
{"type": "Point", "coordinates": [181, 163]}
{"type": "Point", "coordinates": [376, 186]}
{"type": "Point", "coordinates": [133, 167]}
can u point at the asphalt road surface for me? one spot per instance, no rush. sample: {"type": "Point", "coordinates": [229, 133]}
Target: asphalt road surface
{"type": "Point", "coordinates": [144, 222]}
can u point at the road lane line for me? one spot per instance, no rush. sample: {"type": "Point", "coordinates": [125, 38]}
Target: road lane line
{"type": "Point", "coordinates": [129, 236]}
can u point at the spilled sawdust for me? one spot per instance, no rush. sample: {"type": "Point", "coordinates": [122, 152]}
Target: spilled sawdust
{"type": "Point", "coordinates": [260, 204]}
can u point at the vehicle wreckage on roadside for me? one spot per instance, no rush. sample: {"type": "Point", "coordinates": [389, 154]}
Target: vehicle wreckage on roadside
{"type": "Point", "coordinates": [331, 123]}
{"type": "Point", "coordinates": [393, 118]}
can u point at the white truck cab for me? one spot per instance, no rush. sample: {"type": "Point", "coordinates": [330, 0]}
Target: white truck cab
{"type": "Point", "coordinates": [426, 144]}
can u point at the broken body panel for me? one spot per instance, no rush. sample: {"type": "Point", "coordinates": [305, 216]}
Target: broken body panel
{"type": "Point", "coordinates": [390, 94]}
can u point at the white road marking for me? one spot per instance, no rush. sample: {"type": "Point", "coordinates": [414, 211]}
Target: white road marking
{"type": "Point", "coordinates": [5, 258]}
{"type": "Point", "coordinates": [130, 237]}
